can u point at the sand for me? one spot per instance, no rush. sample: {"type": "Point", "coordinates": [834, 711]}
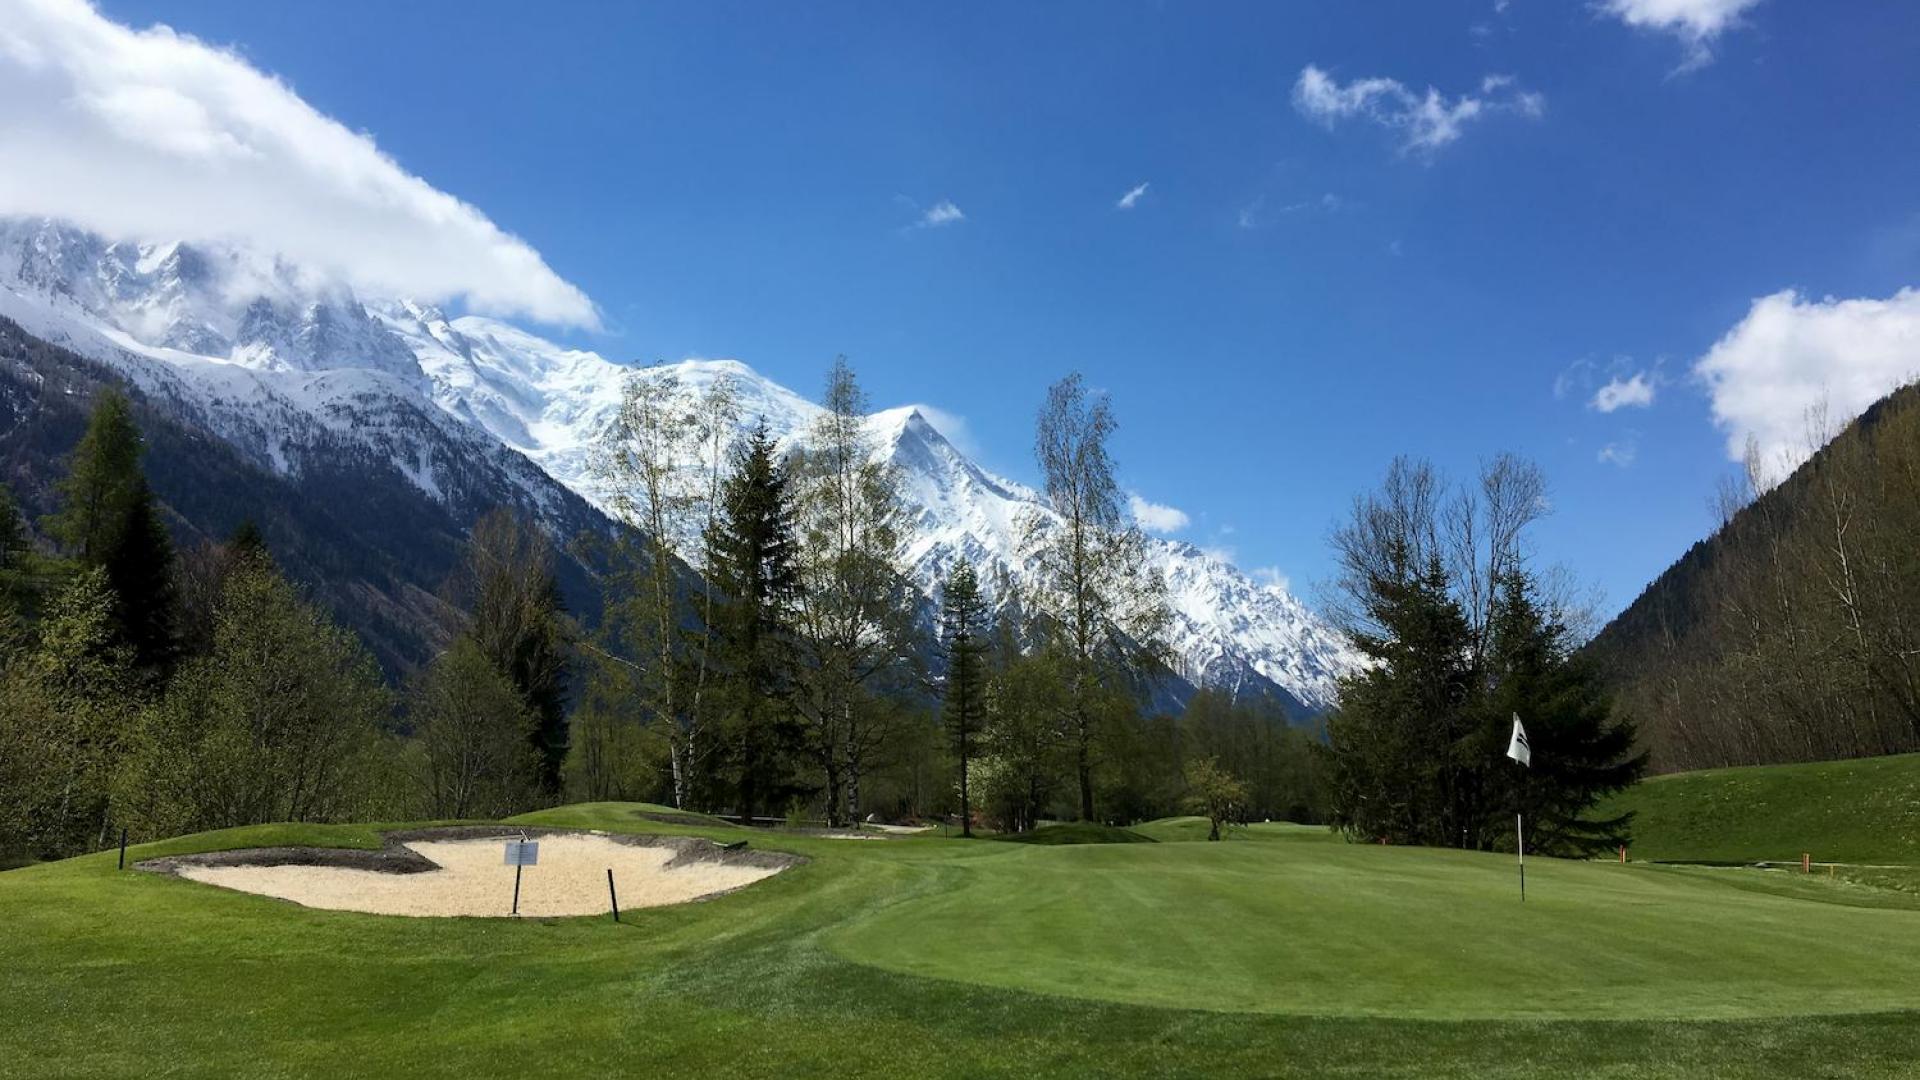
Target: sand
{"type": "Point", "coordinates": [472, 879]}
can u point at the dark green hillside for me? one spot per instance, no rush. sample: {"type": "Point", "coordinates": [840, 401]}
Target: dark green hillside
{"type": "Point", "coordinates": [365, 540]}
{"type": "Point", "coordinates": [1793, 633]}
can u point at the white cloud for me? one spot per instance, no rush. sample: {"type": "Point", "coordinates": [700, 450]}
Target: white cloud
{"type": "Point", "coordinates": [1255, 214]}
{"type": "Point", "coordinates": [1156, 517]}
{"type": "Point", "coordinates": [954, 427]}
{"type": "Point", "coordinates": [1695, 22]}
{"type": "Point", "coordinates": [1622, 453]}
{"type": "Point", "coordinates": [1790, 359]}
{"type": "Point", "coordinates": [152, 134]}
{"type": "Point", "coordinates": [1132, 197]}
{"type": "Point", "coordinates": [1633, 393]}
{"type": "Point", "coordinates": [941, 213]}
{"type": "Point", "coordinates": [1271, 577]}
{"type": "Point", "coordinates": [1425, 122]}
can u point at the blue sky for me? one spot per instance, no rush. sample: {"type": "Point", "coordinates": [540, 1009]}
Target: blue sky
{"type": "Point", "coordinates": [1314, 279]}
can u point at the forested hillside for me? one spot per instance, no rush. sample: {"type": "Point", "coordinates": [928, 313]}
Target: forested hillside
{"type": "Point", "coordinates": [1793, 633]}
{"type": "Point", "coordinates": [370, 545]}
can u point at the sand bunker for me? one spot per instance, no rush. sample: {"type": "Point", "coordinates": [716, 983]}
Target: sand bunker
{"type": "Point", "coordinates": [445, 873]}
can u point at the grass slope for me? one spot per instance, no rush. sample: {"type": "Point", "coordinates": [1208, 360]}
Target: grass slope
{"type": "Point", "coordinates": [1861, 811]}
{"type": "Point", "coordinates": [1185, 829]}
{"type": "Point", "coordinates": [1425, 955]}
{"type": "Point", "coordinates": [1076, 832]}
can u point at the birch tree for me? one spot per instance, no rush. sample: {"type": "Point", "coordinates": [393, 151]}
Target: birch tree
{"type": "Point", "coordinates": [1101, 605]}
{"type": "Point", "coordinates": [856, 610]}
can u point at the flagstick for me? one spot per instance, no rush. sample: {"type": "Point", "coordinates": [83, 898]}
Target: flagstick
{"type": "Point", "coordinates": [1520, 849]}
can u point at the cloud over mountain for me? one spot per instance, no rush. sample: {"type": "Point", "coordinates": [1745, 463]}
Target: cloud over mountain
{"type": "Point", "coordinates": [1791, 359]}
{"type": "Point", "coordinates": [153, 133]}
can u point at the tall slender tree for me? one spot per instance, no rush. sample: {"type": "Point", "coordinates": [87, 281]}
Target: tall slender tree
{"type": "Point", "coordinates": [109, 518]}
{"type": "Point", "coordinates": [751, 552]}
{"type": "Point", "coordinates": [855, 610]}
{"type": "Point", "coordinates": [102, 481]}
{"type": "Point", "coordinates": [1103, 608]}
{"type": "Point", "coordinates": [506, 584]}
{"type": "Point", "coordinates": [965, 641]}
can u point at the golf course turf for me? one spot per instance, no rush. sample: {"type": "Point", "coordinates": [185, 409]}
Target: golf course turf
{"type": "Point", "coordinates": [944, 957]}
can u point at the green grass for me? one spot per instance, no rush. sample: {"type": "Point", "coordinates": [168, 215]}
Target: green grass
{"type": "Point", "coordinates": [1185, 829]}
{"type": "Point", "coordinates": [1076, 832]}
{"type": "Point", "coordinates": [939, 957]}
{"type": "Point", "coordinates": [1861, 811]}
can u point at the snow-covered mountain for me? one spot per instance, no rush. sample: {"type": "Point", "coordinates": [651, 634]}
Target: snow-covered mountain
{"type": "Point", "coordinates": [473, 409]}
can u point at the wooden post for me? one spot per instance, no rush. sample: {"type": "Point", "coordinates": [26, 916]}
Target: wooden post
{"type": "Point", "coordinates": [613, 897]}
{"type": "Point", "coordinates": [1806, 862]}
{"type": "Point", "coordinates": [1623, 854]}
{"type": "Point", "coordinates": [123, 848]}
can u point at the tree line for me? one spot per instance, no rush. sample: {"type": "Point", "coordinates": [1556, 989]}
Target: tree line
{"type": "Point", "coordinates": [163, 691]}
{"type": "Point", "coordinates": [1792, 633]}
{"type": "Point", "coordinates": [766, 654]}
{"type": "Point", "coordinates": [762, 653]}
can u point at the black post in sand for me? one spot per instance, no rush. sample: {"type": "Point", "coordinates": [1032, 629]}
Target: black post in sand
{"type": "Point", "coordinates": [613, 897]}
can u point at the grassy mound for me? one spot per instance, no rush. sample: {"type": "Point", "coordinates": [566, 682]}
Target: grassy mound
{"type": "Point", "coordinates": [1076, 832]}
{"type": "Point", "coordinates": [1861, 811]}
{"type": "Point", "coordinates": [942, 958]}
{"type": "Point", "coordinates": [1186, 829]}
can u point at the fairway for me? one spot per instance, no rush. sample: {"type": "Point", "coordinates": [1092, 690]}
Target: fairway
{"type": "Point", "coordinates": [1282, 952]}
{"type": "Point", "coordinates": [1330, 929]}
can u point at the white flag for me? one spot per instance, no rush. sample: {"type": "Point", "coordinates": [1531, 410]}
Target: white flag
{"type": "Point", "coordinates": [1518, 749]}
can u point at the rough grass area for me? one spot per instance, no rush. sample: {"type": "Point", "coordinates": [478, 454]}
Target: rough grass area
{"type": "Point", "coordinates": [1863, 811]}
{"type": "Point", "coordinates": [1297, 957]}
{"type": "Point", "coordinates": [1076, 832]}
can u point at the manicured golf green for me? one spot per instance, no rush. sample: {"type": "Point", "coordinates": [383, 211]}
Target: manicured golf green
{"type": "Point", "coordinates": [1861, 811]}
{"type": "Point", "coordinates": [1299, 956]}
{"type": "Point", "coordinates": [1359, 930]}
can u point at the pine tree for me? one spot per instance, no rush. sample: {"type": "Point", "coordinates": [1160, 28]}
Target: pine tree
{"type": "Point", "coordinates": [1581, 751]}
{"type": "Point", "coordinates": [109, 518]}
{"type": "Point", "coordinates": [964, 639]}
{"type": "Point", "coordinates": [751, 555]}
{"type": "Point", "coordinates": [139, 561]}
{"type": "Point", "coordinates": [1439, 598]}
{"type": "Point", "coordinates": [102, 482]}
{"type": "Point", "coordinates": [13, 532]}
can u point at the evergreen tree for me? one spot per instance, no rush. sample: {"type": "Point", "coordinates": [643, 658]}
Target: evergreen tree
{"type": "Point", "coordinates": [13, 532]}
{"type": "Point", "coordinates": [248, 542]}
{"type": "Point", "coordinates": [109, 518]}
{"type": "Point", "coordinates": [1459, 642]}
{"type": "Point", "coordinates": [751, 555]}
{"type": "Point", "coordinates": [139, 561]}
{"type": "Point", "coordinates": [1581, 751]}
{"type": "Point", "coordinates": [964, 638]}
{"type": "Point", "coordinates": [102, 481]}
